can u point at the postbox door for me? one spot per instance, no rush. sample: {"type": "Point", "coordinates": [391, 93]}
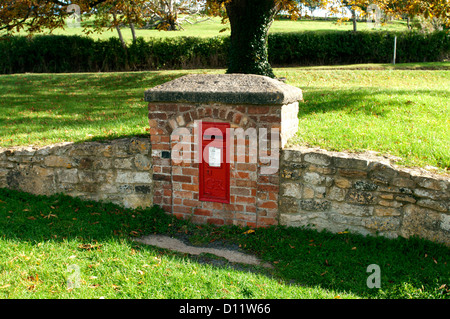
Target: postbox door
{"type": "Point", "coordinates": [214, 174]}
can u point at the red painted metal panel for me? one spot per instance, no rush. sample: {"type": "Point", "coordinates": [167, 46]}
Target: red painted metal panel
{"type": "Point", "coordinates": [214, 171]}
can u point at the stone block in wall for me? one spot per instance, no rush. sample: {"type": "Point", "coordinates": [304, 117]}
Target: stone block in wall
{"type": "Point", "coordinates": [425, 223]}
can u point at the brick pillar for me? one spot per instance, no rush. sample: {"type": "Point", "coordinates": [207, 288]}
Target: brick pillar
{"type": "Point", "coordinates": [255, 107]}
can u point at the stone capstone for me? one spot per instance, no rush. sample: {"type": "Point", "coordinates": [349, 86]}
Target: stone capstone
{"type": "Point", "coordinates": [225, 88]}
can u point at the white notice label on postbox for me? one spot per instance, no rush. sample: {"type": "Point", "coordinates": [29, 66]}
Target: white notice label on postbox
{"type": "Point", "coordinates": [215, 155]}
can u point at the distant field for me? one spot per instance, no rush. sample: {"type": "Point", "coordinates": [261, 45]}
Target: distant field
{"type": "Point", "coordinates": [402, 111]}
{"type": "Point", "coordinates": [213, 26]}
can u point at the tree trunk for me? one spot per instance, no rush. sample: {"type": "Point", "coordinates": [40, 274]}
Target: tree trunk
{"type": "Point", "coordinates": [354, 20]}
{"type": "Point", "coordinates": [133, 31]}
{"type": "Point", "coordinates": [118, 31]}
{"type": "Point", "coordinates": [250, 21]}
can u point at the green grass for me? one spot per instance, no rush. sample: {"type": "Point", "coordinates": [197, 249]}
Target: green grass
{"type": "Point", "coordinates": [46, 242]}
{"type": "Point", "coordinates": [213, 27]}
{"type": "Point", "coordinates": [402, 110]}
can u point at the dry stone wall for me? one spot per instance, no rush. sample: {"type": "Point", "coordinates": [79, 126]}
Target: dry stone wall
{"type": "Point", "coordinates": [117, 171]}
{"type": "Point", "coordinates": [363, 194]}
{"type": "Point", "coordinates": [319, 189]}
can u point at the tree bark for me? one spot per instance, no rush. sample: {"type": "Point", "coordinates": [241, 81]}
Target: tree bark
{"type": "Point", "coordinates": [354, 20]}
{"type": "Point", "coordinates": [133, 31]}
{"type": "Point", "coordinates": [118, 31]}
{"type": "Point", "coordinates": [250, 21]}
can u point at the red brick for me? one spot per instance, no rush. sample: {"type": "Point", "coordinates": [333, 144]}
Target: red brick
{"type": "Point", "coordinates": [245, 183]}
{"type": "Point", "coordinates": [202, 212]}
{"type": "Point", "coordinates": [190, 187]}
{"type": "Point", "coordinates": [190, 171]}
{"type": "Point", "coordinates": [167, 192]}
{"type": "Point", "coordinates": [182, 178]}
{"type": "Point", "coordinates": [250, 209]}
{"type": "Point", "coordinates": [258, 109]}
{"type": "Point", "coordinates": [273, 196]}
{"type": "Point", "coordinates": [246, 217]}
{"type": "Point", "coordinates": [157, 169]}
{"type": "Point", "coordinates": [156, 131]}
{"type": "Point", "coordinates": [215, 221]}
{"type": "Point", "coordinates": [269, 119]}
{"type": "Point", "coordinates": [183, 194]}
{"type": "Point", "coordinates": [212, 205]}
{"type": "Point", "coordinates": [179, 215]}
{"type": "Point", "coordinates": [198, 219]}
{"type": "Point", "coordinates": [157, 115]}
{"type": "Point", "coordinates": [161, 146]}
{"type": "Point", "coordinates": [165, 138]}
{"type": "Point", "coordinates": [155, 138]}
{"type": "Point", "coordinates": [268, 204]}
{"type": "Point", "coordinates": [181, 209]}
{"type": "Point", "coordinates": [237, 118]}
{"type": "Point", "coordinates": [157, 200]}
{"type": "Point", "coordinates": [240, 191]}
{"type": "Point", "coordinates": [161, 177]}
{"type": "Point", "coordinates": [166, 170]}
{"type": "Point", "coordinates": [245, 200]}
{"type": "Point", "coordinates": [268, 188]}
{"type": "Point", "coordinates": [208, 112]}
{"type": "Point", "coordinates": [190, 202]}
{"type": "Point", "coordinates": [184, 108]}
{"type": "Point", "coordinates": [243, 175]}
{"type": "Point", "coordinates": [263, 221]}
{"type": "Point", "coordinates": [251, 167]}
{"type": "Point", "coordinates": [168, 107]}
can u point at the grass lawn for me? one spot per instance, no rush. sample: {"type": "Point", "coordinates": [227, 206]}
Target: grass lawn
{"type": "Point", "coordinates": [213, 26]}
{"type": "Point", "coordinates": [403, 111]}
{"type": "Point", "coordinates": [61, 247]}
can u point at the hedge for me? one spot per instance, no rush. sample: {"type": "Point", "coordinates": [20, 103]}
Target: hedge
{"type": "Point", "coordinates": [57, 53]}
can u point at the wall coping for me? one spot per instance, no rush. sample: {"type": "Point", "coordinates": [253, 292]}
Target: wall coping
{"type": "Point", "coordinates": [225, 88]}
{"type": "Point", "coordinates": [374, 157]}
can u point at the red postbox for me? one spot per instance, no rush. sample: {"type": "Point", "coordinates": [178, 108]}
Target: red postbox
{"type": "Point", "coordinates": [214, 171]}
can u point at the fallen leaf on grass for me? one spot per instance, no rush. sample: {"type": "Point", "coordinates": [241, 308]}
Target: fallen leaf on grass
{"type": "Point", "coordinates": [250, 231]}
{"type": "Point", "coordinates": [89, 246]}
{"type": "Point", "coordinates": [8, 285]}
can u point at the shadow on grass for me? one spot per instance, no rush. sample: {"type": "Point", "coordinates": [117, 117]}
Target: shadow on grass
{"type": "Point", "coordinates": [409, 268]}
{"type": "Point", "coordinates": [364, 100]}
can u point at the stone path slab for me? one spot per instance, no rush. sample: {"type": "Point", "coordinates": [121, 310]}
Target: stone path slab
{"type": "Point", "coordinates": [233, 256]}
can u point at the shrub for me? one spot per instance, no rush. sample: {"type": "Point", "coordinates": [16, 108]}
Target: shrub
{"type": "Point", "coordinates": [51, 53]}
{"type": "Point", "coordinates": [329, 48]}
